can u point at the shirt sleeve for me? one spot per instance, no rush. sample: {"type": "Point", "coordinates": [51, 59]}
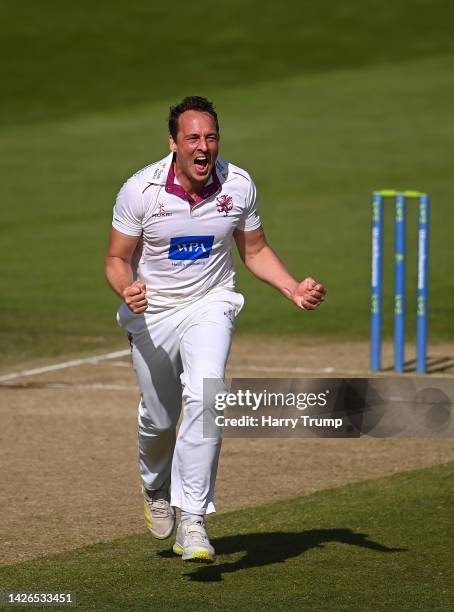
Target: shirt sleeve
{"type": "Point", "coordinates": [129, 209]}
{"type": "Point", "coordinates": [251, 218]}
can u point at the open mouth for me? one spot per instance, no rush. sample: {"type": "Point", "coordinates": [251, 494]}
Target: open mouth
{"type": "Point", "coordinates": [201, 163]}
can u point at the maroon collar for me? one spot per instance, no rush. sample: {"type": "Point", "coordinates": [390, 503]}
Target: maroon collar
{"type": "Point", "coordinates": [179, 191]}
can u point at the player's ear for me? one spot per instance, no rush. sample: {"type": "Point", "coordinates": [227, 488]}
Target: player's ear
{"type": "Point", "coordinates": [172, 145]}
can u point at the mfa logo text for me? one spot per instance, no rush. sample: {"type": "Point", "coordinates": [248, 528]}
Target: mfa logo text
{"type": "Point", "coordinates": [190, 247]}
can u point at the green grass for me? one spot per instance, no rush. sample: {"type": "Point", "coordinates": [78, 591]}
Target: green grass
{"type": "Point", "coordinates": [313, 102]}
{"type": "Point", "coordinates": [65, 58]}
{"type": "Point", "coordinates": [378, 545]}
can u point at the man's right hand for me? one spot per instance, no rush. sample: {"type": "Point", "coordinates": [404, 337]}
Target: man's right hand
{"type": "Point", "coordinates": [135, 297]}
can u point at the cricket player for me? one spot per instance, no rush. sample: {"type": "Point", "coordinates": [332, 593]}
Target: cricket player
{"type": "Point", "coordinates": [170, 261]}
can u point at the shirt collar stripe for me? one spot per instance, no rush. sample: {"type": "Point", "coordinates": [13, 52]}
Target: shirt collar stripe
{"type": "Point", "coordinates": [180, 192]}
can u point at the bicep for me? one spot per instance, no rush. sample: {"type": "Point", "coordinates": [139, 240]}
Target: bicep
{"type": "Point", "coordinates": [122, 245]}
{"type": "Point", "coordinates": [249, 243]}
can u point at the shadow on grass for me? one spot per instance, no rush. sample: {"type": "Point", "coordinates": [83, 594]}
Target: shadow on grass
{"type": "Point", "coordinates": [266, 548]}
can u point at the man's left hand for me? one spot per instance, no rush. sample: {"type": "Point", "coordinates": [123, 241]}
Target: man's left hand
{"type": "Point", "coordinates": [309, 294]}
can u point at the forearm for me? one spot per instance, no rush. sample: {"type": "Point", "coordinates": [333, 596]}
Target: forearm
{"type": "Point", "coordinates": [119, 274]}
{"type": "Point", "coordinates": [268, 267]}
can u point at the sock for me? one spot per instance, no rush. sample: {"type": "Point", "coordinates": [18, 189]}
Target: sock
{"type": "Point", "coordinates": [188, 517]}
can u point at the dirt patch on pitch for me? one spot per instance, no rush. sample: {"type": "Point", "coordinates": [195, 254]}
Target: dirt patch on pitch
{"type": "Point", "coordinates": [68, 448]}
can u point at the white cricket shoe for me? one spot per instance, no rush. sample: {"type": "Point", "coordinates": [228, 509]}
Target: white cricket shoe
{"type": "Point", "coordinates": [192, 542]}
{"type": "Point", "coordinates": [159, 514]}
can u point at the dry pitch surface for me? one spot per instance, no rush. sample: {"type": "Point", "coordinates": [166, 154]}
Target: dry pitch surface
{"type": "Point", "coordinates": [68, 447]}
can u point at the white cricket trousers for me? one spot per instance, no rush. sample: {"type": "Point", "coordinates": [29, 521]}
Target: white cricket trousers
{"type": "Point", "coordinates": [172, 352]}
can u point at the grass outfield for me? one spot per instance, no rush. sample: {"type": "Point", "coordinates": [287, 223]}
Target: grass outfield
{"type": "Point", "coordinates": [378, 545]}
{"type": "Point", "coordinates": [71, 58]}
{"type": "Point", "coordinates": [315, 105]}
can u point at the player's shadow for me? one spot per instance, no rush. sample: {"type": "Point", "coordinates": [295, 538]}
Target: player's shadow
{"type": "Point", "coordinates": [267, 548]}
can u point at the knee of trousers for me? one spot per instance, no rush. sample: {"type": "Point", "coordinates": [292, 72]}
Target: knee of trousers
{"type": "Point", "coordinates": [153, 422]}
{"type": "Point", "coordinates": [204, 395]}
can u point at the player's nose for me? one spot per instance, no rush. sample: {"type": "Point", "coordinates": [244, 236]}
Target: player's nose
{"type": "Point", "coordinates": [203, 146]}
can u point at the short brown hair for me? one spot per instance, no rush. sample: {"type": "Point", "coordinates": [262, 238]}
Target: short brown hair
{"type": "Point", "coordinates": [195, 103]}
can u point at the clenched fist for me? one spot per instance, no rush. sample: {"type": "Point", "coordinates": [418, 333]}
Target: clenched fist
{"type": "Point", "coordinates": [135, 297]}
{"type": "Point", "coordinates": [309, 294]}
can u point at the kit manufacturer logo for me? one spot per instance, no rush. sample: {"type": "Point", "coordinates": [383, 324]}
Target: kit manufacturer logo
{"type": "Point", "coordinates": [162, 212]}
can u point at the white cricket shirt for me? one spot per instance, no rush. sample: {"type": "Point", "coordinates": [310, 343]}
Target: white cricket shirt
{"type": "Point", "coordinates": [186, 244]}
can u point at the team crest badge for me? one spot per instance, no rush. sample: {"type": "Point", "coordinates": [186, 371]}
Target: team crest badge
{"type": "Point", "coordinates": [224, 204]}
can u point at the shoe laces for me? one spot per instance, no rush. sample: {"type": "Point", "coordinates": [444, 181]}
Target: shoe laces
{"type": "Point", "coordinates": [159, 505]}
{"type": "Point", "coordinates": [196, 531]}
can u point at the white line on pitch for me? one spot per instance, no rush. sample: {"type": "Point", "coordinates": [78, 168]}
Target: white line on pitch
{"type": "Point", "coordinates": [94, 386]}
{"type": "Point", "coordinates": [123, 353]}
{"type": "Point", "coordinates": [58, 386]}
{"type": "Point", "coordinates": [65, 364]}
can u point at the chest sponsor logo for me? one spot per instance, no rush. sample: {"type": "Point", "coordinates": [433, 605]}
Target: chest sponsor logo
{"type": "Point", "coordinates": [190, 247]}
{"type": "Point", "coordinates": [224, 204]}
